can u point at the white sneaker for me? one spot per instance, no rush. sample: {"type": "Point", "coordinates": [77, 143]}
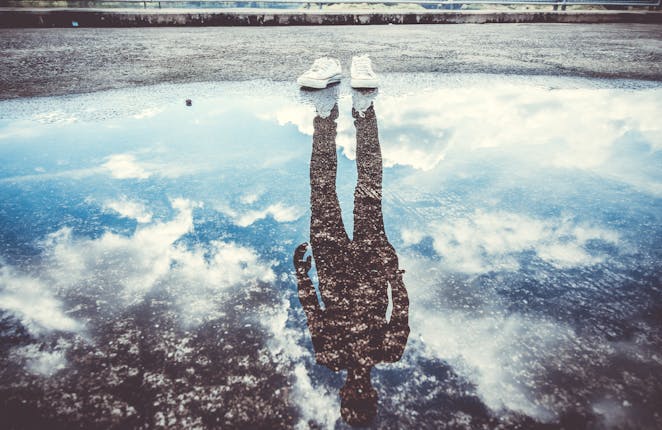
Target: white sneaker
{"type": "Point", "coordinates": [323, 72]}
{"type": "Point", "coordinates": [362, 74]}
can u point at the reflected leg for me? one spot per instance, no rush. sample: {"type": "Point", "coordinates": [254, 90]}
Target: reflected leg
{"type": "Point", "coordinates": [327, 231]}
{"type": "Point", "coordinates": [372, 251]}
{"type": "Point", "coordinates": [368, 217]}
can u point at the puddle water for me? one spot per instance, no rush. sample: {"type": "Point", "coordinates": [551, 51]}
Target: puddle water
{"type": "Point", "coordinates": [146, 256]}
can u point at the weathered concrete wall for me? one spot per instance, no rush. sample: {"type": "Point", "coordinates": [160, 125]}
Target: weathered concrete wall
{"type": "Point", "coordinates": [25, 18]}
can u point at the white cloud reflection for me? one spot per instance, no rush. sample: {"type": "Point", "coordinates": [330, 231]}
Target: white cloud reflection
{"type": "Point", "coordinates": [494, 352]}
{"type": "Point", "coordinates": [484, 241]}
{"type": "Point", "coordinates": [508, 355]}
{"type": "Point", "coordinates": [278, 211]}
{"type": "Point", "coordinates": [530, 124]}
{"type": "Point", "coordinates": [42, 360]}
{"type": "Point", "coordinates": [129, 209]}
{"type": "Point", "coordinates": [34, 302]}
{"type": "Point", "coordinates": [244, 217]}
{"type": "Point", "coordinates": [152, 256]}
{"type": "Point", "coordinates": [316, 402]}
{"type": "Point", "coordinates": [124, 166]}
{"type": "Point", "coordinates": [118, 271]}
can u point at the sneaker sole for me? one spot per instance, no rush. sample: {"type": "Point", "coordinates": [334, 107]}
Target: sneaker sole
{"type": "Point", "coordinates": [364, 83]}
{"type": "Point", "coordinates": [318, 83]}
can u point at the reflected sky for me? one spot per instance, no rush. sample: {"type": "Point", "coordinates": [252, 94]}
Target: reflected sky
{"type": "Point", "coordinates": [146, 275]}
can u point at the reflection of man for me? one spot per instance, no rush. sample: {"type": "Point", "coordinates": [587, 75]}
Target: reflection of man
{"type": "Point", "coordinates": [352, 331]}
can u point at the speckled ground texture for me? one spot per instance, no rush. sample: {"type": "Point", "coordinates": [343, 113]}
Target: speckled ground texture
{"type": "Point", "coordinates": [40, 62]}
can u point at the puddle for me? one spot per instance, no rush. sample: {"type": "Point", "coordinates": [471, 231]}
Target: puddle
{"type": "Point", "coordinates": [146, 248]}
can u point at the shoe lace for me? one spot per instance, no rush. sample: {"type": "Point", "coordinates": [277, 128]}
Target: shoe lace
{"type": "Point", "coordinates": [318, 65]}
{"type": "Point", "coordinates": [362, 65]}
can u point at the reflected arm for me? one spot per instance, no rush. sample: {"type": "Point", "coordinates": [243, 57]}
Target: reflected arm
{"type": "Point", "coordinates": [307, 294]}
{"type": "Point", "coordinates": [397, 332]}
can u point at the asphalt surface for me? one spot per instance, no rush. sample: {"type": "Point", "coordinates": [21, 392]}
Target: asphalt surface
{"type": "Point", "coordinates": [43, 62]}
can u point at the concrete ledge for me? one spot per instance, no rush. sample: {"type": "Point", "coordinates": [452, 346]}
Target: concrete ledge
{"type": "Point", "coordinates": [25, 18]}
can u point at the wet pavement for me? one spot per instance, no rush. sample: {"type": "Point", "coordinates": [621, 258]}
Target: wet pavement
{"type": "Point", "coordinates": [485, 254]}
{"type": "Point", "coordinates": [61, 61]}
